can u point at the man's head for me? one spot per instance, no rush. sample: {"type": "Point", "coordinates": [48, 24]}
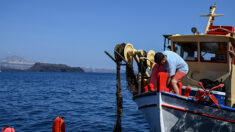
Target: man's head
{"type": "Point", "coordinates": [160, 58]}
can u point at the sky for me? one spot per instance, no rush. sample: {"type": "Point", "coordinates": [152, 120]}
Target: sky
{"type": "Point", "coordinates": [77, 32]}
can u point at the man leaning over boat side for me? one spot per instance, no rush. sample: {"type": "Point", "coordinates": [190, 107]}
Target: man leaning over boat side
{"type": "Point", "coordinates": [168, 61]}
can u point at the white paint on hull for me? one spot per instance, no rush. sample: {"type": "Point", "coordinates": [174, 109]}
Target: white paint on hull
{"type": "Point", "coordinates": [186, 116]}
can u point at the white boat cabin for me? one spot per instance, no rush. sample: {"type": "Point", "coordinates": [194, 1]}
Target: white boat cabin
{"type": "Point", "coordinates": [209, 56]}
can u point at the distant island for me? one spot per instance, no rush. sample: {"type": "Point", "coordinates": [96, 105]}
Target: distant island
{"type": "Point", "coordinates": [45, 67]}
{"type": "Point", "coordinates": [18, 64]}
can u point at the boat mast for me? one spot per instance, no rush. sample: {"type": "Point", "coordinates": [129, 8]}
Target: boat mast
{"type": "Point", "coordinates": [211, 16]}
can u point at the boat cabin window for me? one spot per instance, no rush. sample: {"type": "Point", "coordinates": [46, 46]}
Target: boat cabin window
{"type": "Point", "coordinates": [213, 52]}
{"type": "Point", "coordinates": [187, 50]}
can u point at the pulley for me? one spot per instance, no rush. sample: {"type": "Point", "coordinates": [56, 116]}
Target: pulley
{"type": "Point", "coordinates": [150, 59]}
{"type": "Point", "coordinates": [119, 52]}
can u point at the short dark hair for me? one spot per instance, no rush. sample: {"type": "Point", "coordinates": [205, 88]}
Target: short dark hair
{"type": "Point", "coordinates": [158, 57]}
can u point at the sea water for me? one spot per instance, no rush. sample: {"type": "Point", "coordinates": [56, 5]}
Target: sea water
{"type": "Point", "coordinates": [30, 101]}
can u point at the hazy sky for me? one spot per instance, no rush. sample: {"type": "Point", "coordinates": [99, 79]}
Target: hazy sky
{"type": "Point", "coordinates": [76, 32]}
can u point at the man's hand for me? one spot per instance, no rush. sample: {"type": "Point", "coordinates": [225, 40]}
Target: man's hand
{"type": "Point", "coordinates": [231, 52]}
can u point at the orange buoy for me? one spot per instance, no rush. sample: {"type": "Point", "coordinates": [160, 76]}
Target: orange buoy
{"type": "Point", "coordinates": [58, 125]}
{"type": "Point", "coordinates": [8, 129]}
{"type": "Point", "coordinates": [149, 87]}
{"type": "Point", "coordinates": [187, 91]}
{"type": "Point", "coordinates": [146, 89]}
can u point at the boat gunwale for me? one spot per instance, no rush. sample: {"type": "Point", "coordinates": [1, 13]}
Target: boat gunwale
{"type": "Point", "coordinates": [152, 93]}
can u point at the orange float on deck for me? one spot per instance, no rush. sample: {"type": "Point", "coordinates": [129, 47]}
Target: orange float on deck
{"type": "Point", "coordinates": [146, 89]}
{"type": "Point", "coordinates": [149, 87]}
{"type": "Point", "coordinates": [162, 79]}
{"type": "Point", "coordinates": [58, 125]}
{"type": "Point", "coordinates": [8, 129]}
{"type": "Point", "coordinates": [187, 91]}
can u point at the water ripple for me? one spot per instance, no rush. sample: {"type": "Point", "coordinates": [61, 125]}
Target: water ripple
{"type": "Point", "coordinates": [87, 101]}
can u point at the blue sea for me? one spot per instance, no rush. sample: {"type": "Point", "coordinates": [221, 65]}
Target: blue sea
{"type": "Point", "coordinates": [30, 101]}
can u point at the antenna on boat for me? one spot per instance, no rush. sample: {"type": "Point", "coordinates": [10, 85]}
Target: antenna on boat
{"type": "Point", "coordinates": [211, 16]}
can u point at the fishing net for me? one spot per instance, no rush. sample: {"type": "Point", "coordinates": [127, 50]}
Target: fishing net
{"type": "Point", "coordinates": [131, 80]}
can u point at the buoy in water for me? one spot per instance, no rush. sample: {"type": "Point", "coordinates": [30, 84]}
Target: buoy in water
{"type": "Point", "coordinates": [8, 129]}
{"type": "Point", "coordinates": [58, 125]}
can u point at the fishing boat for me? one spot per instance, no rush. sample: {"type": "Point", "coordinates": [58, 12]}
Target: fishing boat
{"type": "Point", "coordinates": [206, 99]}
